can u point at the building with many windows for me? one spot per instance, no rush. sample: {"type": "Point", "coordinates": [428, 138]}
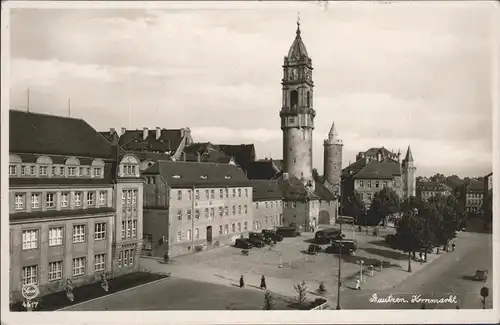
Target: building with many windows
{"type": "Point", "coordinates": [63, 204]}
{"type": "Point", "coordinates": [190, 204]}
{"type": "Point", "coordinates": [488, 183]}
{"type": "Point", "coordinates": [470, 195]}
{"type": "Point", "coordinates": [426, 190]}
{"type": "Point", "coordinates": [267, 204]}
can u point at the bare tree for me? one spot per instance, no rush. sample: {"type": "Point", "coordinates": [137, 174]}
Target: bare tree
{"type": "Point", "coordinates": [301, 290]}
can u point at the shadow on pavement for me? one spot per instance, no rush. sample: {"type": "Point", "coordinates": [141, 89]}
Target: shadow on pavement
{"type": "Point", "coordinates": [309, 241]}
{"type": "Point", "coordinates": [468, 277]}
{"type": "Point", "coordinates": [386, 253]}
{"type": "Point", "coordinates": [380, 243]}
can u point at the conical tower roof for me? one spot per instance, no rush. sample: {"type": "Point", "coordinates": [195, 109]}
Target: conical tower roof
{"type": "Point", "coordinates": [298, 49]}
{"type": "Point", "coordinates": [333, 132]}
{"type": "Point", "coordinates": [409, 156]}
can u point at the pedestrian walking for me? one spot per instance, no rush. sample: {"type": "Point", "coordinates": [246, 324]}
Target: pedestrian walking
{"type": "Point", "coordinates": [453, 246]}
{"type": "Point", "coordinates": [165, 258]}
{"type": "Point", "coordinates": [421, 257]}
{"type": "Point", "coordinates": [263, 285]}
{"type": "Point", "coordinates": [358, 284]}
{"type": "Point", "coordinates": [242, 282]}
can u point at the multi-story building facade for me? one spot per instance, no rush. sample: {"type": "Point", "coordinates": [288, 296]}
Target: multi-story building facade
{"type": "Point", "coordinates": [190, 204]}
{"type": "Point", "coordinates": [267, 204]}
{"type": "Point", "coordinates": [488, 182]}
{"type": "Point", "coordinates": [62, 204]}
{"type": "Point", "coordinates": [426, 190]}
{"type": "Point", "coordinates": [470, 195]}
{"type": "Point", "coordinates": [376, 169]}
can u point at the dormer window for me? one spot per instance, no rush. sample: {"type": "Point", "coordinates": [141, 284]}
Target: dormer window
{"type": "Point", "coordinates": [176, 176]}
{"type": "Point", "coordinates": [129, 170]}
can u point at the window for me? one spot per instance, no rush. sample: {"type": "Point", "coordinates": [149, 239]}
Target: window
{"type": "Point", "coordinates": [120, 259]}
{"type": "Point", "coordinates": [90, 198]}
{"type": "Point", "coordinates": [30, 239]}
{"type": "Point", "coordinates": [188, 212]}
{"type": "Point", "coordinates": [82, 171]}
{"type": "Point", "coordinates": [179, 195]}
{"type": "Point", "coordinates": [221, 211]}
{"type": "Point", "coordinates": [245, 225]}
{"type": "Point", "coordinates": [19, 201]}
{"type": "Point", "coordinates": [369, 183]}
{"type": "Point", "coordinates": [35, 201]}
{"type": "Point", "coordinates": [179, 236]}
{"type": "Point", "coordinates": [360, 183]}
{"type": "Point", "coordinates": [233, 227]}
{"type": "Point", "coordinates": [227, 193]}
{"type": "Point", "coordinates": [179, 214]}
{"type": "Point", "coordinates": [246, 192]}
{"type": "Point", "coordinates": [197, 233]}
{"type": "Point", "coordinates": [102, 198]}
{"type": "Point", "coordinates": [72, 171]}
{"type": "Point", "coordinates": [125, 257]}
{"type": "Point", "coordinates": [78, 233]}
{"type": "Point", "coordinates": [55, 236]}
{"type": "Point", "coordinates": [206, 212]}
{"type": "Point", "coordinates": [78, 199]}
{"type": "Point", "coordinates": [207, 194]}
{"type": "Point", "coordinates": [266, 204]}
{"type": "Point", "coordinates": [239, 226]}
{"type": "Point", "coordinates": [220, 230]}
{"type": "Point", "coordinates": [212, 212]}
{"type": "Point", "coordinates": [377, 184]}
{"type": "Point", "coordinates": [29, 275]}
{"type": "Point", "coordinates": [221, 193]}
{"type": "Point", "coordinates": [131, 258]}
{"type": "Point", "coordinates": [226, 229]}
{"type": "Point", "coordinates": [197, 194]}
{"type": "Point", "coordinates": [134, 197]}
{"type": "Point", "coordinates": [239, 209]}
{"type": "Point", "coordinates": [294, 204]}
{"type": "Point", "coordinates": [13, 170]}
{"type": "Point", "coordinates": [212, 194]}
{"type": "Point", "coordinates": [148, 242]}
{"type": "Point", "coordinates": [55, 270]}
{"type": "Point", "coordinates": [43, 170]}
{"type": "Point", "coordinates": [64, 200]}
{"type": "Point", "coordinates": [226, 211]}
{"type": "Point", "coordinates": [385, 183]}
{"type": "Point", "coordinates": [33, 170]}
{"type": "Point", "coordinates": [61, 171]}
{"type": "Point", "coordinates": [54, 170]}
{"type": "Point", "coordinates": [246, 209]}
{"type": "Point", "coordinates": [128, 170]}
{"type": "Point", "coordinates": [129, 228]}
{"type": "Point", "coordinates": [97, 172]}
{"type": "Point", "coordinates": [134, 228]}
{"type": "Point", "coordinates": [188, 234]}
{"type": "Point", "coordinates": [100, 231]}
{"type": "Point", "coordinates": [78, 266]}
{"type": "Point", "coordinates": [197, 214]}
{"type": "Point", "coordinates": [239, 192]}
{"type": "Point", "coordinates": [124, 228]}
{"type": "Point", "coordinates": [24, 170]}
{"type": "Point", "coordinates": [190, 195]}
{"type": "Point", "coordinates": [234, 192]}
{"type": "Point", "coordinates": [50, 203]}
{"type": "Point", "coordinates": [99, 262]}
{"type": "Point", "coordinates": [285, 204]}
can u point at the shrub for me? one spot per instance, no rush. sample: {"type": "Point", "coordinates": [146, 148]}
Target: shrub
{"type": "Point", "coordinates": [322, 288]}
{"type": "Point", "coordinates": [268, 301]}
{"type": "Point", "coordinates": [301, 290]}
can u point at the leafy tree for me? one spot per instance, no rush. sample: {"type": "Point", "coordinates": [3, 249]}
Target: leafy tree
{"type": "Point", "coordinates": [301, 290]}
{"type": "Point", "coordinates": [440, 178]}
{"type": "Point", "coordinates": [268, 301]}
{"type": "Point", "coordinates": [385, 202]}
{"type": "Point", "coordinates": [453, 181]}
{"type": "Point", "coordinates": [354, 205]}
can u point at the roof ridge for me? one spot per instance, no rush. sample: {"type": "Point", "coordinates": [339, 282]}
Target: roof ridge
{"type": "Point", "coordinates": [49, 115]}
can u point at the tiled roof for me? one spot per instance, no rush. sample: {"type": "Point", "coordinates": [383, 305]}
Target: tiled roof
{"type": "Point", "coordinates": [58, 213]}
{"type": "Point", "coordinates": [266, 190]}
{"type": "Point", "coordinates": [354, 168]}
{"type": "Point", "coordinates": [112, 137]}
{"type": "Point", "coordinates": [144, 155]}
{"type": "Point", "coordinates": [475, 185]}
{"type": "Point", "coordinates": [186, 174]}
{"type": "Point", "coordinates": [323, 192]}
{"type": "Point", "coordinates": [169, 140]}
{"type": "Point", "coordinates": [243, 154]}
{"type": "Point", "coordinates": [207, 153]}
{"type": "Point", "coordinates": [372, 152]}
{"type": "Point", "coordinates": [55, 135]}
{"type": "Point", "coordinates": [261, 169]}
{"type": "Point", "coordinates": [293, 189]}
{"type": "Point", "coordinates": [385, 169]}
{"type": "Point", "coordinates": [432, 186]}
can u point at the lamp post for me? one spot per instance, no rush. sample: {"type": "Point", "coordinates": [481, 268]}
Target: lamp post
{"type": "Point", "coordinates": [361, 262]}
{"type": "Point", "coordinates": [340, 269]}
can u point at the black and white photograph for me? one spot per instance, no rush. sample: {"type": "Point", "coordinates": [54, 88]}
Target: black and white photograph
{"type": "Point", "coordinates": [279, 157]}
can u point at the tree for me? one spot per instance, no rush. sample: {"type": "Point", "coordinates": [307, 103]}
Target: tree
{"type": "Point", "coordinates": [301, 290]}
{"type": "Point", "coordinates": [354, 205]}
{"type": "Point", "coordinates": [268, 301]}
{"type": "Point", "coordinates": [440, 178]}
{"type": "Point", "coordinates": [453, 181]}
{"type": "Point", "coordinates": [385, 203]}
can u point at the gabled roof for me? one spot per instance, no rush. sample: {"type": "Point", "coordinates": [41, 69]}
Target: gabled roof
{"type": "Point", "coordinates": [385, 169]}
{"type": "Point", "coordinates": [261, 169]}
{"type": "Point", "coordinates": [186, 174]}
{"type": "Point", "coordinates": [293, 189]}
{"type": "Point", "coordinates": [372, 152]}
{"type": "Point", "coordinates": [243, 154]}
{"type": "Point", "coordinates": [266, 190]}
{"type": "Point", "coordinates": [55, 135]}
{"type": "Point", "coordinates": [169, 140]}
{"type": "Point", "coordinates": [323, 192]}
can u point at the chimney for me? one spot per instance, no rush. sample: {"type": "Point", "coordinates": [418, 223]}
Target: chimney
{"type": "Point", "coordinates": [111, 131]}
{"type": "Point", "coordinates": [158, 133]}
{"type": "Point", "coordinates": [123, 131]}
{"type": "Point", "coordinates": [285, 176]}
{"type": "Point", "coordinates": [144, 133]}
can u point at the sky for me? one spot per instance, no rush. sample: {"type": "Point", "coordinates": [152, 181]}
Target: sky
{"type": "Point", "coordinates": [389, 75]}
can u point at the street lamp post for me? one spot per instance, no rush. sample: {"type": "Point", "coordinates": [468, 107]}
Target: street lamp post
{"type": "Point", "coordinates": [340, 269]}
{"type": "Point", "coordinates": [361, 270]}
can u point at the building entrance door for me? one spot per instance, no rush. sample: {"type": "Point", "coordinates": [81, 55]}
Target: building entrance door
{"type": "Point", "coordinates": [209, 234]}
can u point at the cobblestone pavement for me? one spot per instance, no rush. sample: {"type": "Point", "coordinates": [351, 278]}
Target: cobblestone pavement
{"type": "Point", "coordinates": [224, 265]}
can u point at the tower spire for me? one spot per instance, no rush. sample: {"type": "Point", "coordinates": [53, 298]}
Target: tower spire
{"type": "Point", "coordinates": [409, 156]}
{"type": "Point", "coordinates": [298, 24]}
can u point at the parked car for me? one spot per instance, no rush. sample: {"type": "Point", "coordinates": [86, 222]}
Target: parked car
{"type": "Point", "coordinates": [259, 236]}
{"type": "Point", "coordinates": [335, 249]}
{"type": "Point", "coordinates": [325, 236]}
{"type": "Point", "coordinates": [256, 242]}
{"type": "Point", "coordinates": [314, 248]}
{"type": "Point", "coordinates": [242, 243]}
{"type": "Point", "coordinates": [271, 234]}
{"type": "Point", "coordinates": [347, 244]}
{"type": "Point", "coordinates": [287, 231]}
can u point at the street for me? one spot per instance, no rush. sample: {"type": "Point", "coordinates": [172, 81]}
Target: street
{"type": "Point", "coordinates": [451, 274]}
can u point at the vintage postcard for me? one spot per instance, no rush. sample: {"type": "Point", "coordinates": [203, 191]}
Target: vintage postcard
{"type": "Point", "coordinates": [250, 162]}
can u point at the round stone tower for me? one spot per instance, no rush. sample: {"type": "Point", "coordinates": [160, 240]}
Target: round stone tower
{"type": "Point", "coordinates": [297, 113]}
{"type": "Point", "coordinates": [332, 166]}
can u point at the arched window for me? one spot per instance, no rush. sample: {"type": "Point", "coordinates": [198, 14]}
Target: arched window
{"type": "Point", "coordinates": [294, 98]}
{"type": "Point", "coordinates": [308, 99]}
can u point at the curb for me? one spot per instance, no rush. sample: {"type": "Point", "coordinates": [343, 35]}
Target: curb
{"type": "Point", "coordinates": [112, 294]}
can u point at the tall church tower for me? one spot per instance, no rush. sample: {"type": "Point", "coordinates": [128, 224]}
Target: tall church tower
{"type": "Point", "coordinates": [297, 113]}
{"type": "Point", "coordinates": [409, 179]}
{"type": "Point", "coordinates": [332, 166]}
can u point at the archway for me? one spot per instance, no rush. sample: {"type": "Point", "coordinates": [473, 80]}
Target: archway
{"type": "Point", "coordinates": [294, 98]}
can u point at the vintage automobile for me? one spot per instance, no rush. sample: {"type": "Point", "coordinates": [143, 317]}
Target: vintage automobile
{"type": "Point", "coordinates": [259, 236]}
{"type": "Point", "coordinates": [313, 249]}
{"type": "Point", "coordinates": [271, 234]}
{"type": "Point", "coordinates": [242, 243]}
{"type": "Point", "coordinates": [481, 275]}
{"type": "Point", "coordinates": [256, 242]}
{"type": "Point", "coordinates": [325, 236]}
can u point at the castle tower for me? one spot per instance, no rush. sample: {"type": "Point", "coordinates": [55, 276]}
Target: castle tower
{"type": "Point", "coordinates": [332, 165]}
{"type": "Point", "coordinates": [409, 179]}
{"type": "Point", "coordinates": [297, 113]}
